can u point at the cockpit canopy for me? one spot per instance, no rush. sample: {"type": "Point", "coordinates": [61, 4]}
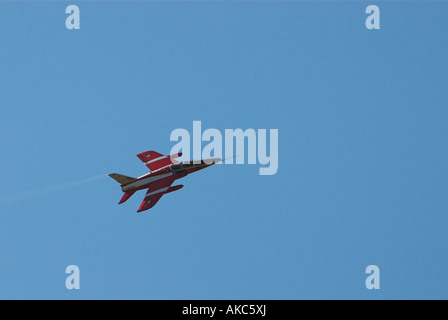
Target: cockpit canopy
{"type": "Point", "coordinates": [184, 166]}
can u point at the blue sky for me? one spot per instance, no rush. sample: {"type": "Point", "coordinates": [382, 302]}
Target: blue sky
{"type": "Point", "coordinates": [362, 178]}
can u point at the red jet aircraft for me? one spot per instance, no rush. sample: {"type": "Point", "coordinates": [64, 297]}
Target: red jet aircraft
{"type": "Point", "coordinates": [164, 170]}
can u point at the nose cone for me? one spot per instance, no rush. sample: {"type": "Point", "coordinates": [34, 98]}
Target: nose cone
{"type": "Point", "coordinates": [212, 161]}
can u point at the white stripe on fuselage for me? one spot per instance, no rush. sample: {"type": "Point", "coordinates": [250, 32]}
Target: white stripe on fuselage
{"type": "Point", "coordinates": [157, 191]}
{"type": "Point", "coordinates": [140, 183]}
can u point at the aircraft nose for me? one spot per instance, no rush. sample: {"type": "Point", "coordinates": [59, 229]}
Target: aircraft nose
{"type": "Point", "coordinates": [212, 161]}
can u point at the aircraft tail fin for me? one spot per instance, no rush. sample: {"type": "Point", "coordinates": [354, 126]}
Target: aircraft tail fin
{"type": "Point", "coordinates": [121, 179]}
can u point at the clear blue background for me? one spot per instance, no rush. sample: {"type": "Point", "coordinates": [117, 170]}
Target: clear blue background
{"type": "Point", "coordinates": [362, 118]}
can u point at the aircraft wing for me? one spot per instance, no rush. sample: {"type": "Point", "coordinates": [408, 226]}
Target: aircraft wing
{"type": "Point", "coordinates": [154, 160]}
{"type": "Point", "coordinates": [155, 191]}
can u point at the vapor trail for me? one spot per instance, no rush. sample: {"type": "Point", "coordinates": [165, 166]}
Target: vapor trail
{"type": "Point", "coordinates": [49, 189]}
